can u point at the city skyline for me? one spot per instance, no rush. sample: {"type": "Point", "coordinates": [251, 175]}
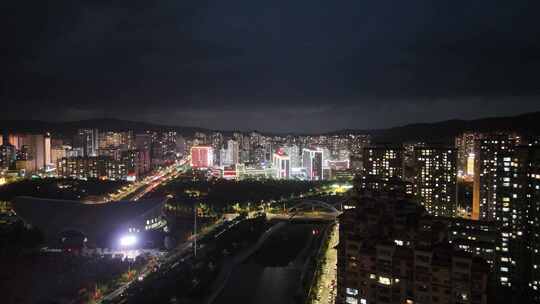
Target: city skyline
{"type": "Point", "coordinates": [473, 201]}
{"type": "Point", "coordinates": [314, 152]}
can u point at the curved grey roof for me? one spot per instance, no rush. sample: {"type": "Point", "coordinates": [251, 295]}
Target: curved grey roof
{"type": "Point", "coordinates": [96, 221]}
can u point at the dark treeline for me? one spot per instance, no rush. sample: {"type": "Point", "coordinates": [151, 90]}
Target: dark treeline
{"type": "Point", "coordinates": [16, 238]}
{"type": "Point", "coordinates": [58, 188]}
{"type": "Point", "coordinates": [223, 194]}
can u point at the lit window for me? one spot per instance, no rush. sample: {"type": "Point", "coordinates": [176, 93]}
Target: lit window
{"type": "Point", "coordinates": [351, 300]}
{"type": "Point", "coordinates": [384, 280]}
{"type": "Point", "coordinates": [352, 291]}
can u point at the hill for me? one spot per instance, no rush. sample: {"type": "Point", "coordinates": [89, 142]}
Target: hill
{"type": "Point", "coordinates": [71, 127]}
{"type": "Point", "coordinates": [444, 132]}
{"type": "Point", "coordinates": [437, 132]}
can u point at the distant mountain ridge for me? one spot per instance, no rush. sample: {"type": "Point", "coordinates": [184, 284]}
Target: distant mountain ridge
{"type": "Point", "coordinates": [437, 132]}
{"type": "Point", "coordinates": [69, 127]}
{"type": "Point", "coordinates": [527, 124]}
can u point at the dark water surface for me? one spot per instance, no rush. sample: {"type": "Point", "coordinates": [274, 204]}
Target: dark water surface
{"type": "Point", "coordinates": [272, 274]}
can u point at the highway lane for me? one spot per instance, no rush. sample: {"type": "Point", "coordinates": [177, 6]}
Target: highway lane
{"type": "Point", "coordinates": [140, 188]}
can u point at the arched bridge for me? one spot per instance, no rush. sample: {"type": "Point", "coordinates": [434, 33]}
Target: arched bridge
{"type": "Point", "coordinates": [302, 204]}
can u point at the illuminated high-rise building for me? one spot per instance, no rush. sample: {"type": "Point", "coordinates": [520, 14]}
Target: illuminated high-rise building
{"type": "Point", "coordinates": [216, 141]}
{"type": "Point", "coordinates": [312, 162]}
{"type": "Point", "coordinates": [180, 145]}
{"type": "Point", "coordinates": [233, 152]}
{"type": "Point", "coordinates": [143, 141]}
{"type": "Point", "coordinates": [47, 150]}
{"type": "Point", "coordinates": [202, 157]}
{"type": "Point", "coordinates": [136, 163]}
{"type": "Point", "coordinates": [326, 157]}
{"type": "Point", "coordinates": [258, 155]}
{"type": "Point", "coordinates": [343, 155]}
{"type": "Point", "coordinates": [122, 140]}
{"type": "Point", "coordinates": [409, 162]}
{"type": "Point", "coordinates": [383, 162]}
{"type": "Point", "coordinates": [16, 140]}
{"type": "Point", "coordinates": [435, 179]}
{"type": "Point", "coordinates": [255, 138]}
{"type": "Point", "coordinates": [281, 162]}
{"type": "Point", "coordinates": [244, 156]}
{"type": "Point", "coordinates": [88, 140]}
{"type": "Point", "coordinates": [223, 160]}
{"type": "Point", "coordinates": [338, 164]}
{"type": "Point", "coordinates": [495, 172]}
{"type": "Point", "coordinates": [35, 151]}
{"type": "Point", "coordinates": [468, 148]}
{"type": "Point", "coordinates": [130, 160]}
{"type": "Point", "coordinates": [201, 138]}
{"type": "Point", "coordinates": [57, 153]}
{"type": "Point", "coordinates": [293, 151]}
{"type": "Point", "coordinates": [529, 226]}
{"type": "Point", "coordinates": [471, 164]}
{"type": "Point", "coordinates": [508, 194]}
{"type": "Point", "coordinates": [357, 143]}
{"type": "Point", "coordinates": [101, 167]}
{"type": "Point", "coordinates": [7, 156]}
{"type": "Point", "coordinates": [158, 152]}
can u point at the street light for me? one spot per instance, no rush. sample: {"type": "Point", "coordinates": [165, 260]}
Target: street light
{"type": "Point", "coordinates": [128, 240]}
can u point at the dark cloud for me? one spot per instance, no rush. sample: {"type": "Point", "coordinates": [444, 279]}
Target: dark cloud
{"type": "Point", "coordinates": [274, 65]}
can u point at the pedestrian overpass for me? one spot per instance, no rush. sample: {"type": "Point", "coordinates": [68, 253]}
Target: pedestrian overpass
{"type": "Point", "coordinates": [303, 205]}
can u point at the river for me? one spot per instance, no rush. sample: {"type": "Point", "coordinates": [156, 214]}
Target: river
{"type": "Point", "coordinates": [273, 273]}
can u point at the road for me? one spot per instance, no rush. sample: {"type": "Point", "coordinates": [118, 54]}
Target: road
{"type": "Point", "coordinates": [172, 259]}
{"type": "Point", "coordinates": [184, 252]}
{"type": "Point", "coordinates": [138, 189]}
{"type": "Point", "coordinates": [326, 289]}
{"type": "Point", "coordinates": [135, 192]}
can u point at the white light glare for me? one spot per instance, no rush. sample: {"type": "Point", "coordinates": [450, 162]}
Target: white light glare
{"type": "Point", "coordinates": [128, 240]}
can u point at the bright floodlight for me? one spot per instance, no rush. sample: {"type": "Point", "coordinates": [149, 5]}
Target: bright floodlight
{"type": "Point", "coordinates": [128, 240]}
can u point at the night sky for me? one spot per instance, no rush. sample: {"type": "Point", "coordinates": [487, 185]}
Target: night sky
{"type": "Point", "coordinates": [277, 65]}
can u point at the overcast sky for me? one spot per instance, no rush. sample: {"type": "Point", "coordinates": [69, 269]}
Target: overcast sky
{"type": "Point", "coordinates": [273, 65]}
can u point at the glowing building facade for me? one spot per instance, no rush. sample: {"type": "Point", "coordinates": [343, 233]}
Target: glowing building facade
{"type": "Point", "coordinates": [435, 180]}
{"type": "Point", "coordinates": [233, 152]}
{"type": "Point", "coordinates": [496, 172]}
{"type": "Point", "coordinates": [202, 157]}
{"type": "Point", "coordinates": [530, 183]}
{"type": "Point", "coordinates": [467, 145]}
{"type": "Point", "coordinates": [294, 153]}
{"type": "Point", "coordinates": [509, 195]}
{"type": "Point", "coordinates": [312, 162]}
{"type": "Point", "coordinates": [383, 162]}
{"type": "Point", "coordinates": [7, 156]}
{"type": "Point", "coordinates": [122, 140]}
{"type": "Point", "coordinates": [281, 162]}
{"type": "Point", "coordinates": [88, 140]}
